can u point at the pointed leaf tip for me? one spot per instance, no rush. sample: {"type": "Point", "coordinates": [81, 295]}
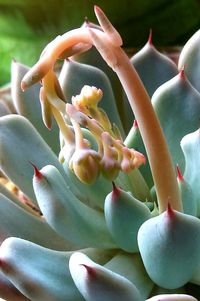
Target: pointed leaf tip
{"type": "Point", "coordinates": [135, 123]}
{"type": "Point", "coordinates": [150, 40]}
{"type": "Point", "coordinates": [115, 191]}
{"type": "Point", "coordinates": [91, 271]}
{"type": "Point", "coordinates": [37, 172]}
{"type": "Point", "coordinates": [182, 73]}
{"type": "Point", "coordinates": [170, 211]}
{"type": "Point", "coordinates": [179, 174]}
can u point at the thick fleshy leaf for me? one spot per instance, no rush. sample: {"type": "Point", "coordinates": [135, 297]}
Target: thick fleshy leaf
{"type": "Point", "coordinates": [93, 194]}
{"type": "Point", "coordinates": [27, 104]}
{"type": "Point", "coordinates": [187, 196]}
{"type": "Point", "coordinates": [135, 183]}
{"type": "Point", "coordinates": [166, 243]}
{"type": "Point", "coordinates": [4, 110]}
{"type": "Point", "coordinates": [21, 144]}
{"type": "Point", "coordinates": [172, 297]}
{"type": "Point", "coordinates": [68, 215]}
{"type": "Point", "coordinates": [177, 98]}
{"type": "Point", "coordinates": [153, 67]}
{"type": "Point", "coordinates": [96, 283]}
{"type": "Point", "coordinates": [75, 75]}
{"type": "Point", "coordinates": [15, 221]}
{"type": "Point", "coordinates": [131, 267]}
{"type": "Point", "coordinates": [40, 273]}
{"type": "Point", "coordinates": [8, 291]}
{"type": "Point", "coordinates": [13, 197]}
{"type": "Point", "coordinates": [196, 277]}
{"type": "Point", "coordinates": [190, 147]}
{"type": "Point", "coordinates": [124, 215]}
{"type": "Point", "coordinates": [189, 58]}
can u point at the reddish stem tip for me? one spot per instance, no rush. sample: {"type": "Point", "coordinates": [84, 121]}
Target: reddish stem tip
{"type": "Point", "coordinates": [37, 172]}
{"type": "Point", "coordinates": [150, 40]}
{"type": "Point", "coordinates": [135, 124]}
{"type": "Point", "coordinates": [91, 271]}
{"type": "Point", "coordinates": [170, 211]}
{"type": "Point", "coordinates": [179, 174]}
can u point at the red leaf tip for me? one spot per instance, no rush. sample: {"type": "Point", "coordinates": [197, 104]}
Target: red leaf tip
{"type": "Point", "coordinates": [135, 124]}
{"type": "Point", "coordinates": [115, 191]}
{"type": "Point", "coordinates": [150, 40]}
{"type": "Point", "coordinates": [179, 174]}
{"type": "Point", "coordinates": [170, 211]}
{"type": "Point", "coordinates": [91, 271]}
{"type": "Point", "coordinates": [37, 172]}
{"type": "Point", "coordinates": [182, 73]}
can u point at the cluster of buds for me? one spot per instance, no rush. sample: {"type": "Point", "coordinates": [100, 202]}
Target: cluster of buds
{"type": "Point", "coordinates": [111, 155]}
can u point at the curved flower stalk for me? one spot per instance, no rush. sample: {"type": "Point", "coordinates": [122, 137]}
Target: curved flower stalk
{"type": "Point", "coordinates": [114, 216]}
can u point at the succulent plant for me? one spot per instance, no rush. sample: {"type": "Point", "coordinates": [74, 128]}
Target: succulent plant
{"type": "Point", "coordinates": [108, 214]}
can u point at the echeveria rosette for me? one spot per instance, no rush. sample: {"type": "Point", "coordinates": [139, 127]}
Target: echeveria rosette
{"type": "Point", "coordinates": [110, 229]}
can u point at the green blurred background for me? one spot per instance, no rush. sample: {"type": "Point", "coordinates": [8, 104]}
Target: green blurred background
{"type": "Point", "coordinates": [27, 25]}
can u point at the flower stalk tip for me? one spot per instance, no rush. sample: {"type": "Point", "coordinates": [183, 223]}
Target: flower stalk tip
{"type": "Point", "coordinates": [111, 33]}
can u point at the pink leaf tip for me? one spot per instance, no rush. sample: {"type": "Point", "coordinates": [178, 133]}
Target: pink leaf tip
{"type": "Point", "coordinates": [91, 271]}
{"type": "Point", "coordinates": [37, 172]}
